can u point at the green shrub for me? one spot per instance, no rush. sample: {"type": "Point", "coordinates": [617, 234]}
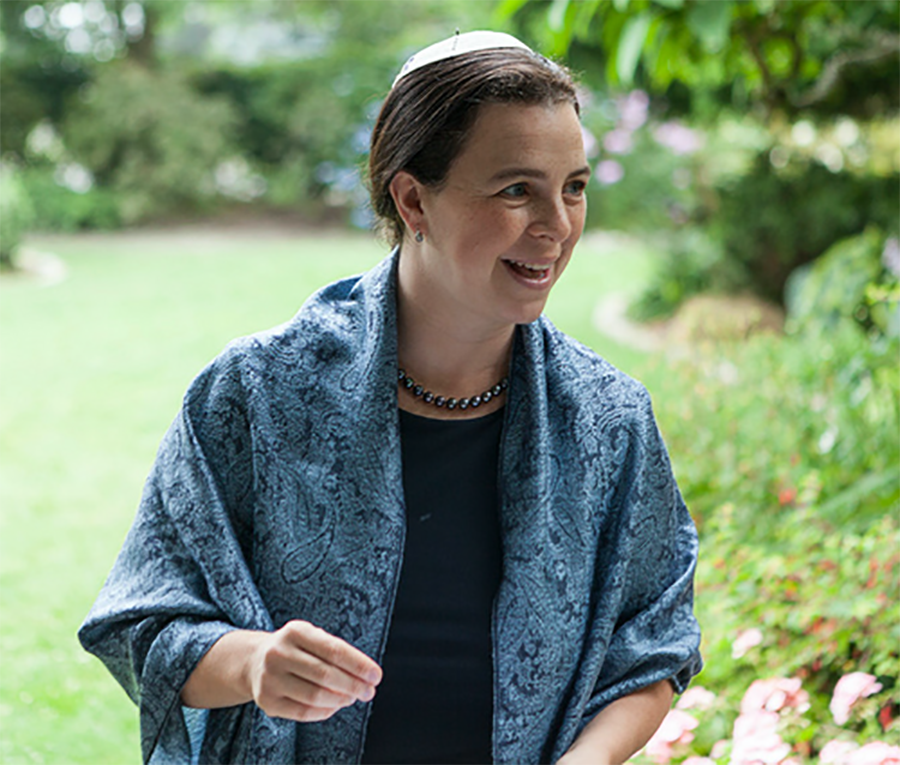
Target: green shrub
{"type": "Point", "coordinates": [768, 202]}
{"type": "Point", "coordinates": [692, 263]}
{"type": "Point", "coordinates": [853, 281]}
{"type": "Point", "coordinates": [824, 596]}
{"type": "Point", "coordinates": [62, 209]}
{"type": "Point", "coordinates": [149, 138]}
{"type": "Point", "coordinates": [305, 124]}
{"type": "Point", "coordinates": [786, 449]}
{"type": "Point", "coordinates": [768, 224]}
{"type": "Point", "coordinates": [34, 91]}
{"type": "Point", "coordinates": [821, 600]}
{"type": "Point", "coordinates": [645, 199]}
{"type": "Point", "coordinates": [771, 221]}
{"type": "Point", "coordinates": [749, 421]}
{"type": "Point", "coordinates": [16, 213]}
{"type": "Point", "coordinates": [23, 107]}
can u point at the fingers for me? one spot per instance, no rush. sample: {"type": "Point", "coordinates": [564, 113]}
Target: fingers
{"type": "Point", "coordinates": [286, 695]}
{"type": "Point", "coordinates": [306, 674]}
{"type": "Point", "coordinates": [335, 652]}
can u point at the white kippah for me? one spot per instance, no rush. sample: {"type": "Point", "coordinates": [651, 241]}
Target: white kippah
{"type": "Point", "coordinates": [457, 45]}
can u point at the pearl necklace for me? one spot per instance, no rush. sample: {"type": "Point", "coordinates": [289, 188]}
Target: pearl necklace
{"type": "Point", "coordinates": [405, 381]}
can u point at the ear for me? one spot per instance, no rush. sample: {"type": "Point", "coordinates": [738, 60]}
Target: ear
{"type": "Point", "coordinates": [406, 191]}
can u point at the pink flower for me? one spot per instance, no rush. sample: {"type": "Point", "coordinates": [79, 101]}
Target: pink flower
{"type": "Point", "coordinates": [698, 761]}
{"type": "Point", "coordinates": [745, 641]}
{"type": "Point", "coordinates": [678, 138]}
{"type": "Point", "coordinates": [890, 256]}
{"type": "Point", "coordinates": [675, 729]}
{"type": "Point", "coordinates": [696, 697]}
{"type": "Point", "coordinates": [756, 739]}
{"type": "Point", "coordinates": [756, 752]}
{"type": "Point", "coordinates": [850, 689]}
{"type": "Point", "coordinates": [590, 142]}
{"type": "Point", "coordinates": [633, 109]}
{"type": "Point", "coordinates": [719, 749]}
{"type": "Point", "coordinates": [618, 141]}
{"type": "Point", "coordinates": [768, 752]}
{"type": "Point", "coordinates": [609, 172]}
{"type": "Point", "coordinates": [755, 724]}
{"type": "Point", "coordinates": [875, 753]}
{"type": "Point", "coordinates": [837, 752]}
{"type": "Point", "coordinates": [775, 694]}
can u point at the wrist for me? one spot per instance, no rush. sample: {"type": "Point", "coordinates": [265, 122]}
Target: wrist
{"type": "Point", "coordinates": [224, 676]}
{"type": "Point", "coordinates": [248, 651]}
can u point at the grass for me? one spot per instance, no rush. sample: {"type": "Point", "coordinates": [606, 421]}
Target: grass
{"type": "Point", "coordinates": [93, 370]}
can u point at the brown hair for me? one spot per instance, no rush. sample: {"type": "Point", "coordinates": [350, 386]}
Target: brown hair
{"type": "Point", "coordinates": [426, 118]}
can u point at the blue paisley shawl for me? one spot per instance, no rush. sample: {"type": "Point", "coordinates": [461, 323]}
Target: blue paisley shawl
{"type": "Point", "coordinates": [277, 495]}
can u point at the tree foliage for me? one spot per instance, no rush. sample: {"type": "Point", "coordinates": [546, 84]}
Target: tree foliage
{"type": "Point", "coordinates": [157, 107]}
{"type": "Point", "coordinates": [792, 56]}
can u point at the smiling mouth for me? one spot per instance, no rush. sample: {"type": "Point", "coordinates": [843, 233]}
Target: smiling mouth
{"type": "Point", "coordinates": [530, 270]}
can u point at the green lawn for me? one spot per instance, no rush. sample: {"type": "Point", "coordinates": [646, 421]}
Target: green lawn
{"type": "Point", "coordinates": [93, 370]}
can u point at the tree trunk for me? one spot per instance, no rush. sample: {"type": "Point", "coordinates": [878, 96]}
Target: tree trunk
{"type": "Point", "coordinates": [12, 27]}
{"type": "Point", "coordinates": [143, 50]}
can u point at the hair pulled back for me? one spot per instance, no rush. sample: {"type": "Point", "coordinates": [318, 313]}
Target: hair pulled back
{"type": "Point", "coordinates": [428, 115]}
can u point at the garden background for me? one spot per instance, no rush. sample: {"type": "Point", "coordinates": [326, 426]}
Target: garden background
{"type": "Point", "coordinates": [174, 174]}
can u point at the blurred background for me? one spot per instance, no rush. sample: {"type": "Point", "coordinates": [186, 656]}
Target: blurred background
{"type": "Point", "coordinates": [174, 174]}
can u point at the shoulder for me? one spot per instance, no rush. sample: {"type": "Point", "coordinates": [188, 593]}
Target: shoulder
{"type": "Point", "coordinates": [331, 311]}
{"type": "Point", "coordinates": [330, 321]}
{"type": "Point", "coordinates": [578, 374]}
{"type": "Point", "coordinates": [323, 330]}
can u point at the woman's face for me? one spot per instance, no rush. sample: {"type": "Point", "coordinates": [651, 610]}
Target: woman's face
{"type": "Point", "coordinates": [500, 231]}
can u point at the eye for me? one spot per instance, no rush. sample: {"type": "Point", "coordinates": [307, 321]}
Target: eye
{"type": "Point", "coordinates": [575, 188]}
{"type": "Point", "coordinates": [516, 191]}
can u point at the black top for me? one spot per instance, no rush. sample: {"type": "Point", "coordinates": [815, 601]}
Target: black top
{"type": "Point", "coordinates": [435, 703]}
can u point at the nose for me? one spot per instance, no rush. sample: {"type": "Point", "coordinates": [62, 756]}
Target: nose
{"type": "Point", "coordinates": [553, 221]}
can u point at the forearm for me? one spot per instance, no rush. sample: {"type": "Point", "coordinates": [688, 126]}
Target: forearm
{"type": "Point", "coordinates": [622, 728]}
{"type": "Point", "coordinates": [298, 672]}
{"type": "Point", "coordinates": [221, 678]}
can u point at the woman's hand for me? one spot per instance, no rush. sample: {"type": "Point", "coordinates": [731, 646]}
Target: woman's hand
{"type": "Point", "coordinates": [303, 673]}
{"type": "Point", "coordinates": [299, 672]}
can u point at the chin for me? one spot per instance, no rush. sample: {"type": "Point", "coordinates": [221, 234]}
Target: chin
{"type": "Point", "coordinates": [530, 313]}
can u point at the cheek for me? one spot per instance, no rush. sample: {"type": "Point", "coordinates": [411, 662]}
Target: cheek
{"type": "Point", "coordinates": [579, 214]}
{"type": "Point", "coordinates": [492, 230]}
{"type": "Point", "coordinates": [563, 262]}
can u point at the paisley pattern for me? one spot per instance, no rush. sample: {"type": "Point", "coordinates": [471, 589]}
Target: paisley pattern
{"type": "Point", "coordinates": [277, 495]}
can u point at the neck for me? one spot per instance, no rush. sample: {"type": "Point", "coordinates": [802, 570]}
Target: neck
{"type": "Point", "coordinates": [449, 359]}
{"type": "Point", "coordinates": [445, 352]}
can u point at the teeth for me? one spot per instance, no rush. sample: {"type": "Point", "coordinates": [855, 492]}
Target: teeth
{"type": "Point", "coordinates": [530, 266]}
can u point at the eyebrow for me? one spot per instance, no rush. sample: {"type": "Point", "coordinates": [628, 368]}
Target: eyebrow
{"type": "Point", "coordinates": [528, 172]}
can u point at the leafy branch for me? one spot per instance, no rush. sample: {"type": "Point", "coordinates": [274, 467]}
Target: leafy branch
{"type": "Point", "coordinates": [883, 46]}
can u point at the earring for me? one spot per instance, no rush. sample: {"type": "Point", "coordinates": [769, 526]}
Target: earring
{"type": "Point", "coordinates": [420, 237]}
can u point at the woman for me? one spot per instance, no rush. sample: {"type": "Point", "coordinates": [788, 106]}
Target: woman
{"type": "Point", "coordinates": [487, 562]}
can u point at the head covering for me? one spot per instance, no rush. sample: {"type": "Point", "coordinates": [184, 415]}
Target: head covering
{"type": "Point", "coordinates": [457, 45]}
